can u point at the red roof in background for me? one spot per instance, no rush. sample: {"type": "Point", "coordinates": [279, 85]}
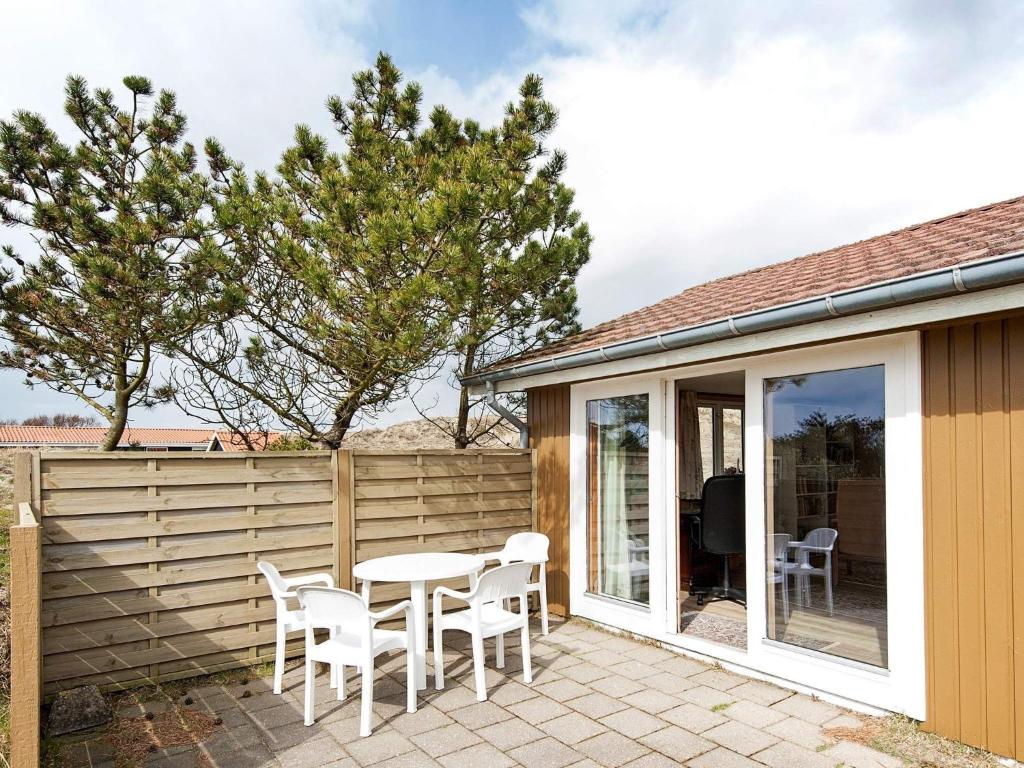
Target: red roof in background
{"type": "Point", "coordinates": [93, 436]}
{"type": "Point", "coordinates": [231, 442]}
{"type": "Point", "coordinates": [144, 436]}
{"type": "Point", "coordinates": [991, 230]}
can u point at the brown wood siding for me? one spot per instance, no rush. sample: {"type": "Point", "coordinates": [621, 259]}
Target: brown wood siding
{"type": "Point", "coordinates": [548, 419]}
{"type": "Point", "coordinates": [974, 505]}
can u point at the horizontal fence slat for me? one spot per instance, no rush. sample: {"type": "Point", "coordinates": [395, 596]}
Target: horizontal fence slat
{"type": "Point", "coordinates": [452, 469]}
{"type": "Point", "coordinates": [392, 530]}
{"type": "Point", "coordinates": [132, 477]}
{"type": "Point", "coordinates": [441, 488]}
{"type": "Point", "coordinates": [62, 531]}
{"type": "Point", "coordinates": [384, 511]}
{"type": "Point", "coordinates": [174, 501]}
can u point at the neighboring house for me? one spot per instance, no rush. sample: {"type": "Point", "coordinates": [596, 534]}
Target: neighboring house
{"type": "Point", "coordinates": [134, 438]}
{"type": "Point", "coordinates": [866, 407]}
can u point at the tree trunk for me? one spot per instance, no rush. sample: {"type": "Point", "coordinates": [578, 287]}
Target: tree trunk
{"type": "Point", "coordinates": [117, 424]}
{"type": "Point", "coordinates": [343, 416]}
{"type": "Point", "coordinates": [462, 424]}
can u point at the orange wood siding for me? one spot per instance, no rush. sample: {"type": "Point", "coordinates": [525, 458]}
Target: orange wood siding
{"type": "Point", "coordinates": [973, 382]}
{"type": "Point", "coordinates": [548, 419]}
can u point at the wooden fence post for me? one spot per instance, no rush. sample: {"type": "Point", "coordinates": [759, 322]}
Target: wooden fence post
{"type": "Point", "coordinates": [26, 645]}
{"type": "Point", "coordinates": [344, 513]}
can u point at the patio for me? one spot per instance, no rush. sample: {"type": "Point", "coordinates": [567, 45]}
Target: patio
{"type": "Point", "coordinates": [598, 699]}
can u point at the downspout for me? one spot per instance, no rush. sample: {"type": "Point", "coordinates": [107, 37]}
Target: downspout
{"type": "Point", "coordinates": [505, 413]}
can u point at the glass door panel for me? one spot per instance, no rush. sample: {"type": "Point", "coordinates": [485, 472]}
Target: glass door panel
{"type": "Point", "coordinates": [618, 479]}
{"type": "Point", "coordinates": [825, 505]}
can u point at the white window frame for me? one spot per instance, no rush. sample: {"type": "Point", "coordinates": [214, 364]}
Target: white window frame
{"type": "Point", "coordinates": [901, 687]}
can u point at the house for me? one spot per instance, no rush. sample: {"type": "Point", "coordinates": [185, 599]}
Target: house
{"type": "Point", "coordinates": [861, 413]}
{"type": "Point", "coordinates": [134, 438]}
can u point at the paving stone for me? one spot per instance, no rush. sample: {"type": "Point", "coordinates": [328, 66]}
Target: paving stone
{"type": "Point", "coordinates": [510, 734]}
{"type": "Point", "coordinates": [596, 705]}
{"type": "Point", "coordinates": [722, 758]}
{"type": "Point", "coordinates": [562, 690]}
{"type": "Point", "coordinates": [618, 643]}
{"type": "Point", "coordinates": [546, 753]}
{"type": "Point", "coordinates": [635, 670]}
{"type": "Point", "coordinates": [603, 657]}
{"type": "Point", "coordinates": [718, 679]}
{"type": "Point", "coordinates": [652, 760]}
{"type": "Point", "coordinates": [242, 757]}
{"type": "Point", "coordinates": [452, 697]}
{"type": "Point", "coordinates": [706, 697]}
{"type": "Point", "coordinates": [415, 759]}
{"type": "Point", "coordinates": [617, 686]}
{"type": "Point", "coordinates": [478, 755]}
{"type": "Point", "coordinates": [806, 708]}
{"type": "Point", "coordinates": [511, 692]}
{"type": "Point", "coordinates": [443, 740]}
{"type": "Point", "coordinates": [378, 747]}
{"type": "Point", "coordinates": [800, 732]}
{"type": "Point", "coordinates": [572, 728]}
{"type": "Point", "coordinates": [585, 672]}
{"type": "Point", "coordinates": [682, 666]}
{"type": "Point", "coordinates": [480, 714]}
{"type": "Point", "coordinates": [671, 684]}
{"type": "Point", "coordinates": [754, 715]}
{"type": "Point", "coordinates": [788, 755]}
{"type": "Point", "coordinates": [649, 654]}
{"type": "Point", "coordinates": [585, 763]}
{"type": "Point", "coordinates": [844, 721]}
{"type": "Point", "coordinates": [633, 723]}
{"type": "Point", "coordinates": [311, 753]}
{"type": "Point", "coordinates": [346, 730]}
{"type": "Point", "coordinates": [611, 749]}
{"type": "Point", "coordinates": [677, 743]}
{"type": "Point", "coordinates": [650, 701]}
{"type": "Point", "coordinates": [693, 718]}
{"type": "Point", "coordinates": [761, 693]}
{"type": "Point", "coordinates": [423, 719]}
{"type": "Point", "coordinates": [538, 710]}
{"type": "Point", "coordinates": [563, 661]}
{"type": "Point", "coordinates": [861, 756]}
{"type": "Point", "coordinates": [740, 737]}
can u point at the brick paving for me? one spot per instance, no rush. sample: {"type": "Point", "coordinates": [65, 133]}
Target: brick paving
{"type": "Point", "coordinates": [597, 700]}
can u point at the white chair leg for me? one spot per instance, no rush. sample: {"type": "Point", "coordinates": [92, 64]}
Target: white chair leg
{"type": "Point", "coordinates": [785, 599]}
{"type": "Point", "coordinates": [478, 667]}
{"type": "Point", "coordinates": [438, 654]}
{"type": "Point", "coordinates": [410, 677]}
{"type": "Point", "coordinates": [828, 592]}
{"type": "Point", "coordinates": [366, 704]}
{"type": "Point", "coordinates": [334, 669]}
{"type": "Point", "coordinates": [525, 642]}
{"type": "Point", "coordinates": [279, 658]}
{"type": "Point", "coordinates": [543, 597]}
{"type": "Point", "coordinates": [499, 651]}
{"type": "Point", "coordinates": [308, 693]}
{"type": "Point", "coordinates": [340, 680]}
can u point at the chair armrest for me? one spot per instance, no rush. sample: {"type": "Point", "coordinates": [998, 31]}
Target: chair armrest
{"type": "Point", "coordinates": [314, 578]}
{"type": "Point", "coordinates": [488, 557]}
{"type": "Point", "coordinates": [460, 596]}
{"type": "Point", "coordinates": [404, 606]}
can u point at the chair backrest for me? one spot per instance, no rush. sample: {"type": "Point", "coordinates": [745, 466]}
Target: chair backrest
{"type": "Point", "coordinates": [326, 608]}
{"type": "Point", "coordinates": [278, 587]}
{"type": "Point", "coordinates": [780, 546]}
{"type": "Point", "coordinates": [526, 547]}
{"type": "Point", "coordinates": [723, 515]}
{"type": "Point", "coordinates": [503, 582]}
{"type": "Point", "coordinates": [821, 538]}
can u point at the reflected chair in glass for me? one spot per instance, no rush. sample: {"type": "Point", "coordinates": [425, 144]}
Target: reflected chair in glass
{"type": "Point", "coordinates": [778, 555]}
{"type": "Point", "coordinates": [819, 541]}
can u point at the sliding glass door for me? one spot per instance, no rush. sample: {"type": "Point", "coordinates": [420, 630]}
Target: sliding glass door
{"type": "Point", "coordinates": [825, 512]}
{"type": "Point", "coordinates": [618, 507]}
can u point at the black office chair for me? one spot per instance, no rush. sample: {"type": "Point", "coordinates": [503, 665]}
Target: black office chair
{"type": "Point", "coordinates": [723, 531]}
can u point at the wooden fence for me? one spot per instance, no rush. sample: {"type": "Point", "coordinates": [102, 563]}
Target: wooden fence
{"type": "Point", "coordinates": [148, 560]}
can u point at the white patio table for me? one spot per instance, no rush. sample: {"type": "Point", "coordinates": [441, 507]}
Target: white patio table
{"type": "Point", "coordinates": [418, 569]}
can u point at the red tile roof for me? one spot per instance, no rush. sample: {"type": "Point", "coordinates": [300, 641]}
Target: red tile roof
{"type": "Point", "coordinates": [991, 230]}
{"type": "Point", "coordinates": [233, 443]}
{"type": "Point", "coordinates": [93, 436]}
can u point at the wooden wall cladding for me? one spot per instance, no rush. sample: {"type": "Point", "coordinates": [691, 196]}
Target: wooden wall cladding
{"type": "Point", "coordinates": [974, 527]}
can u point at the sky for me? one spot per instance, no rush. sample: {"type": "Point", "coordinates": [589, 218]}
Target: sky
{"type": "Point", "coordinates": [703, 137]}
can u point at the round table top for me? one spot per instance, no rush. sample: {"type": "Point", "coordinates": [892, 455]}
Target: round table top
{"type": "Point", "coordinates": [421, 566]}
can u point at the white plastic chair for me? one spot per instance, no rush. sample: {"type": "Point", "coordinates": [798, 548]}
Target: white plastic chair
{"type": "Point", "coordinates": [355, 643]}
{"type": "Point", "coordinates": [281, 589]}
{"type": "Point", "coordinates": [486, 616]}
{"type": "Point", "coordinates": [818, 541]}
{"type": "Point", "coordinates": [778, 557]}
{"type": "Point", "coordinates": [528, 547]}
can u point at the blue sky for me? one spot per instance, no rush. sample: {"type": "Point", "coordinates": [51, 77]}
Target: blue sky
{"type": "Point", "coordinates": [703, 137]}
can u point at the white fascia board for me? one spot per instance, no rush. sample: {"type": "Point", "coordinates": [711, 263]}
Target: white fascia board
{"type": "Point", "coordinates": [891, 319]}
